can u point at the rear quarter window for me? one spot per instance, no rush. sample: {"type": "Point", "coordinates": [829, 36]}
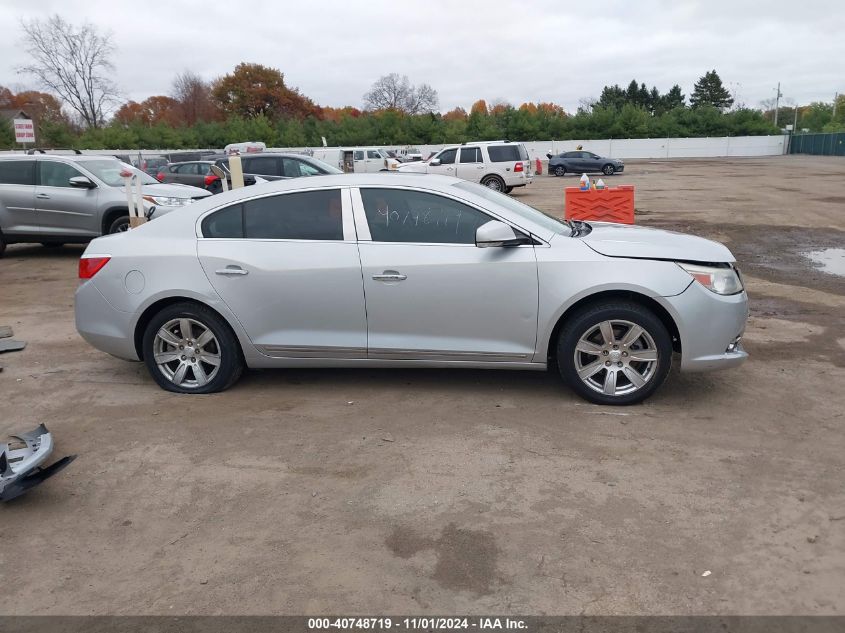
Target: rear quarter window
{"type": "Point", "coordinates": [504, 153]}
{"type": "Point", "coordinates": [17, 172]}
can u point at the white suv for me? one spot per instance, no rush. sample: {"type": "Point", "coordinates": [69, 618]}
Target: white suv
{"type": "Point", "coordinates": [500, 165]}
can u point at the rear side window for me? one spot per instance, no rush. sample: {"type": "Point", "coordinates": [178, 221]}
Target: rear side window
{"type": "Point", "coordinates": [265, 166]}
{"type": "Point", "coordinates": [400, 215]}
{"type": "Point", "coordinates": [308, 215]}
{"type": "Point", "coordinates": [470, 155]}
{"type": "Point", "coordinates": [226, 223]}
{"type": "Point", "coordinates": [17, 172]}
{"type": "Point", "coordinates": [504, 153]}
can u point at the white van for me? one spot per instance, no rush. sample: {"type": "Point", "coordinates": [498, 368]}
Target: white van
{"type": "Point", "coordinates": [359, 160]}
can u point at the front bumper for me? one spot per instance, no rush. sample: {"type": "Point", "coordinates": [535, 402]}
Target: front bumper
{"type": "Point", "coordinates": [709, 326]}
{"type": "Point", "coordinates": [21, 467]}
{"type": "Point", "coordinates": [619, 168]}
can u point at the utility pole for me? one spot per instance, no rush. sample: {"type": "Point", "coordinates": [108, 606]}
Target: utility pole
{"type": "Point", "coordinates": [777, 104]}
{"type": "Point", "coordinates": [835, 99]}
{"type": "Point", "coordinates": [795, 122]}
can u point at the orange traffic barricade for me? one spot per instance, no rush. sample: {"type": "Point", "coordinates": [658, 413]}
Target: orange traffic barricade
{"type": "Point", "coordinates": [614, 204]}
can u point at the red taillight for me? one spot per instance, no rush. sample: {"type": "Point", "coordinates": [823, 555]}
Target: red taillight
{"type": "Point", "coordinates": [90, 266]}
{"type": "Point", "coordinates": [518, 167]}
{"type": "Point", "coordinates": [160, 176]}
{"type": "Point", "coordinates": [209, 179]}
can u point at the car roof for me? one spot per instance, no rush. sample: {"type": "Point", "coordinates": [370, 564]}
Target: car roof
{"type": "Point", "coordinates": [75, 158]}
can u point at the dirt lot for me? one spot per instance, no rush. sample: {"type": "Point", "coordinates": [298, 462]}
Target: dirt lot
{"type": "Point", "coordinates": [454, 492]}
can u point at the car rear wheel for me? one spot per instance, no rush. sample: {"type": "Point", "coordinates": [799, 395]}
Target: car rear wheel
{"type": "Point", "coordinates": [560, 170]}
{"type": "Point", "coordinates": [615, 353]}
{"type": "Point", "coordinates": [119, 225]}
{"type": "Point", "coordinates": [608, 170]}
{"type": "Point", "coordinates": [189, 349]}
{"type": "Point", "coordinates": [494, 182]}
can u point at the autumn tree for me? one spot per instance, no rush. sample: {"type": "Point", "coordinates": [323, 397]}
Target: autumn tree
{"type": "Point", "coordinates": [73, 62]}
{"type": "Point", "coordinates": [253, 89]}
{"type": "Point", "coordinates": [151, 111]}
{"type": "Point", "coordinates": [708, 90]}
{"type": "Point", "coordinates": [395, 92]}
{"type": "Point", "coordinates": [194, 96]}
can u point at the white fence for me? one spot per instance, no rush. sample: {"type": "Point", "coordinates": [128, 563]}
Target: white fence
{"type": "Point", "coordinates": [654, 148]}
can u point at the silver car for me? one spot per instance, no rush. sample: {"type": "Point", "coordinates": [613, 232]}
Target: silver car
{"type": "Point", "coordinates": [391, 270]}
{"type": "Point", "coordinates": [54, 199]}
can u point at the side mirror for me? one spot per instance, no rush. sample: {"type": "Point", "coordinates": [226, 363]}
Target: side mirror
{"type": "Point", "coordinates": [495, 233]}
{"type": "Point", "coordinates": [434, 162]}
{"type": "Point", "coordinates": [82, 182]}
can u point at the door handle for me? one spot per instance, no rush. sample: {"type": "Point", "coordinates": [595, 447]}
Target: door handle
{"type": "Point", "coordinates": [42, 196]}
{"type": "Point", "coordinates": [390, 275]}
{"type": "Point", "coordinates": [231, 270]}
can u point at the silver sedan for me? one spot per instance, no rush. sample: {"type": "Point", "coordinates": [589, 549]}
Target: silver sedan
{"type": "Point", "coordinates": [391, 270]}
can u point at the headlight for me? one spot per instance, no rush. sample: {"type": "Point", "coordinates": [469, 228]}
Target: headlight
{"type": "Point", "coordinates": [167, 201]}
{"type": "Point", "coordinates": [721, 280]}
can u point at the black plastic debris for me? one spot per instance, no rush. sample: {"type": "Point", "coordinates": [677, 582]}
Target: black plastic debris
{"type": "Point", "coordinates": [22, 462]}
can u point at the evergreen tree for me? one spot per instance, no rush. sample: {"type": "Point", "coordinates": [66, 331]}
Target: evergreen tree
{"type": "Point", "coordinates": [708, 90]}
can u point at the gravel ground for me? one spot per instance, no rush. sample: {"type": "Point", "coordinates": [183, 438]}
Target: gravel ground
{"type": "Point", "coordinates": [427, 491]}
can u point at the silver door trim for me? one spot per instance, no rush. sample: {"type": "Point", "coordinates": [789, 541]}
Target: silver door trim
{"type": "Point", "coordinates": [306, 351]}
{"type": "Point", "coordinates": [444, 355]}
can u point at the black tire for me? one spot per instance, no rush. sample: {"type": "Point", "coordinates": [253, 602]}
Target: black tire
{"type": "Point", "coordinates": [2, 245]}
{"type": "Point", "coordinates": [608, 170]}
{"type": "Point", "coordinates": [508, 189]}
{"type": "Point", "coordinates": [119, 225]}
{"type": "Point", "coordinates": [493, 182]}
{"type": "Point", "coordinates": [231, 363]}
{"type": "Point", "coordinates": [52, 244]}
{"type": "Point", "coordinates": [587, 319]}
{"type": "Point", "coordinates": [560, 170]}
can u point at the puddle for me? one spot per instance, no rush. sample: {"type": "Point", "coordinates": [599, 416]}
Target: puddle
{"type": "Point", "coordinates": [830, 260]}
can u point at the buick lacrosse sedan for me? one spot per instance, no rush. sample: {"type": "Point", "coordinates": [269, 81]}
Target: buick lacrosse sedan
{"type": "Point", "coordinates": [391, 270]}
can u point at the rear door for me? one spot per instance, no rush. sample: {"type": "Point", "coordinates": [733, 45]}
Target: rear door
{"type": "Point", "coordinates": [17, 198]}
{"type": "Point", "coordinates": [64, 210]}
{"type": "Point", "coordinates": [470, 164]}
{"type": "Point", "coordinates": [187, 174]}
{"type": "Point", "coordinates": [287, 265]}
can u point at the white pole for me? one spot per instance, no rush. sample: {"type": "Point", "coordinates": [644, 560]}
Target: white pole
{"type": "Point", "coordinates": [130, 203]}
{"type": "Point", "coordinates": [777, 105]}
{"type": "Point", "coordinates": [237, 171]}
{"type": "Point", "coordinates": [140, 216]}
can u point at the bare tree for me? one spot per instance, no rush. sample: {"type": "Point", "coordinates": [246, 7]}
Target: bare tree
{"type": "Point", "coordinates": [395, 92]}
{"type": "Point", "coordinates": [73, 62]}
{"type": "Point", "coordinates": [194, 97]}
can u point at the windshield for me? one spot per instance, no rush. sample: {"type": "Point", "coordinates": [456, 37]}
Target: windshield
{"type": "Point", "coordinates": [108, 170]}
{"type": "Point", "coordinates": [520, 209]}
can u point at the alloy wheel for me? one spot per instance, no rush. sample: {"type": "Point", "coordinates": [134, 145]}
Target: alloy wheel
{"type": "Point", "coordinates": [187, 353]}
{"type": "Point", "coordinates": [616, 357]}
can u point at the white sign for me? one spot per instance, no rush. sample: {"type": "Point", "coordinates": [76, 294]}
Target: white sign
{"type": "Point", "coordinates": [24, 131]}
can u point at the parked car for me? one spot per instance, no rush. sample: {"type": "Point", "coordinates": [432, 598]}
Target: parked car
{"type": "Point", "coordinates": [359, 160]}
{"type": "Point", "coordinates": [454, 275]}
{"type": "Point", "coordinates": [584, 163]}
{"type": "Point", "coordinates": [499, 165]}
{"type": "Point", "coordinates": [198, 173]}
{"type": "Point", "coordinates": [151, 164]}
{"type": "Point", "coordinates": [55, 199]}
{"type": "Point", "coordinates": [278, 166]}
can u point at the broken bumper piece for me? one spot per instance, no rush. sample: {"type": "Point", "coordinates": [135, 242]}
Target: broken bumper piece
{"type": "Point", "coordinates": [21, 462]}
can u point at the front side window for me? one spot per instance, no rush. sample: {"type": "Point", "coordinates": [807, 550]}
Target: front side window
{"type": "Point", "coordinates": [470, 155]}
{"type": "Point", "coordinates": [401, 215]}
{"type": "Point", "coordinates": [17, 172]}
{"type": "Point", "coordinates": [371, 153]}
{"type": "Point", "coordinates": [447, 156]}
{"type": "Point", "coordinates": [306, 215]}
{"type": "Point", "coordinates": [308, 170]}
{"type": "Point", "coordinates": [55, 174]}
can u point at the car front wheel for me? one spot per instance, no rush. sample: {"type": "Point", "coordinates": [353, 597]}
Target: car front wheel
{"type": "Point", "coordinates": [189, 349]}
{"type": "Point", "coordinates": [608, 170]}
{"type": "Point", "coordinates": [120, 225]}
{"type": "Point", "coordinates": [615, 353]}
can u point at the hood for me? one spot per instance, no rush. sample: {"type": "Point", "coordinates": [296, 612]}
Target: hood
{"type": "Point", "coordinates": [639, 242]}
{"type": "Point", "coordinates": [418, 167]}
{"type": "Point", "coordinates": [175, 190]}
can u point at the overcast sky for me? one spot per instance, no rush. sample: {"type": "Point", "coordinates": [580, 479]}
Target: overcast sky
{"type": "Point", "coordinates": [532, 50]}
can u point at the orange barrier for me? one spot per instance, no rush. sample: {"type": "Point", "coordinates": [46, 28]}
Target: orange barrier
{"type": "Point", "coordinates": [614, 204]}
{"type": "Point", "coordinates": [539, 169]}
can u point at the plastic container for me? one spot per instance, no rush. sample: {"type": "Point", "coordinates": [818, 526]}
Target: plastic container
{"type": "Point", "coordinates": [585, 182]}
